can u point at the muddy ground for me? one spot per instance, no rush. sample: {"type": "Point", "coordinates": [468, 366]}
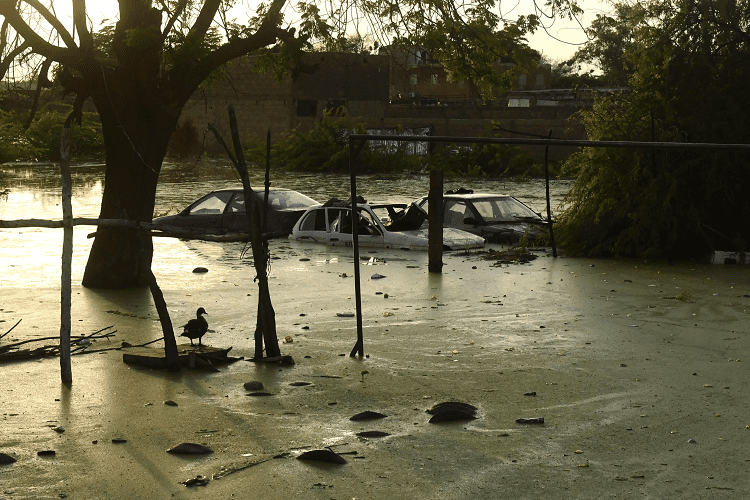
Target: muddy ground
{"type": "Point", "coordinates": [640, 371]}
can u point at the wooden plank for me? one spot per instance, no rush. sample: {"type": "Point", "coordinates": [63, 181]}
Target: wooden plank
{"type": "Point", "coordinates": [188, 355]}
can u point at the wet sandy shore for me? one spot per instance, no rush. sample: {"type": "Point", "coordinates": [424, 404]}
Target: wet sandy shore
{"type": "Point", "coordinates": [639, 369]}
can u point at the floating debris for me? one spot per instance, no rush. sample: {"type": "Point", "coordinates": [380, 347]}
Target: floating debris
{"type": "Point", "coordinates": [169, 402]}
{"type": "Point", "coordinates": [372, 434]}
{"type": "Point", "coordinates": [6, 459]}
{"type": "Point", "coordinates": [532, 393]}
{"type": "Point", "coordinates": [322, 456]}
{"type": "Point", "coordinates": [288, 339]}
{"type": "Point", "coordinates": [260, 394]}
{"type": "Point", "coordinates": [196, 481]}
{"type": "Point", "coordinates": [535, 420]}
{"type": "Point", "coordinates": [253, 386]}
{"type": "Point", "coordinates": [377, 276]}
{"type": "Point", "coordinates": [59, 430]}
{"type": "Point", "coordinates": [190, 449]}
{"type": "Point", "coordinates": [119, 440]}
{"type": "Point", "coordinates": [46, 453]}
{"type": "Point", "coordinates": [368, 415]}
{"type": "Point", "coordinates": [199, 270]}
{"type": "Point", "coordinates": [345, 315]}
{"type": "Point", "coordinates": [300, 384]}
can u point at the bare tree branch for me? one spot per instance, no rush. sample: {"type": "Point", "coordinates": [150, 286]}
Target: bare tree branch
{"type": "Point", "coordinates": [52, 19]}
{"type": "Point", "coordinates": [79, 20]}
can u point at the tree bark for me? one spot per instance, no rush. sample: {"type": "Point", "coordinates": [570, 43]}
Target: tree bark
{"type": "Point", "coordinates": [135, 149]}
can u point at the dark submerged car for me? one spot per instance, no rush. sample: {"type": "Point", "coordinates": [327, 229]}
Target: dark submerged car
{"type": "Point", "coordinates": [223, 213]}
{"type": "Point", "coordinates": [499, 218]}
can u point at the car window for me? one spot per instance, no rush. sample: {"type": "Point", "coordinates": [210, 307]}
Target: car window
{"type": "Point", "coordinates": [314, 220]}
{"type": "Point", "coordinates": [503, 209]}
{"type": "Point", "coordinates": [455, 212]}
{"type": "Point", "coordinates": [289, 200]}
{"type": "Point", "coordinates": [237, 205]}
{"type": "Point", "coordinates": [212, 204]}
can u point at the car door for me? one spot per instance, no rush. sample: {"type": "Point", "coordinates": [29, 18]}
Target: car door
{"type": "Point", "coordinates": [369, 230]}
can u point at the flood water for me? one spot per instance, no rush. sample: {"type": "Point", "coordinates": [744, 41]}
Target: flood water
{"type": "Point", "coordinates": [30, 256]}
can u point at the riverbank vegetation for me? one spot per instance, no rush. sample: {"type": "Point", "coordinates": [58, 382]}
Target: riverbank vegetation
{"type": "Point", "coordinates": [39, 140]}
{"type": "Point", "coordinates": [326, 149]}
{"type": "Point", "coordinates": [684, 69]}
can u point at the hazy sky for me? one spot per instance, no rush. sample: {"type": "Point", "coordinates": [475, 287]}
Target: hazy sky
{"type": "Point", "coordinates": [559, 42]}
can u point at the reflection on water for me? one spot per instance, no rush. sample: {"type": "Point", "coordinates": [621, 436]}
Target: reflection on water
{"type": "Point", "coordinates": [30, 256]}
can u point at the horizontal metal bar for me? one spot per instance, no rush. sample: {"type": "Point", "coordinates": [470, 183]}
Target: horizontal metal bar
{"type": "Point", "coordinates": [548, 142]}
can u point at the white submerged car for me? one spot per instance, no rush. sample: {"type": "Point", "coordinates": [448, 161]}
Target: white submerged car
{"type": "Point", "coordinates": [404, 229]}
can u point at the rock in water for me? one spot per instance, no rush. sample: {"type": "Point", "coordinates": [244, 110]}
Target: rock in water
{"type": "Point", "coordinates": [190, 449]}
{"type": "Point", "coordinates": [195, 328]}
{"type": "Point", "coordinates": [322, 456]}
{"type": "Point", "coordinates": [452, 415]}
{"type": "Point", "coordinates": [372, 434]}
{"type": "Point", "coordinates": [452, 405]}
{"type": "Point", "coordinates": [367, 415]}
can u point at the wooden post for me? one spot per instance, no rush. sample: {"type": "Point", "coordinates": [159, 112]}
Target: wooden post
{"type": "Point", "coordinates": [549, 211]}
{"type": "Point", "coordinates": [66, 372]}
{"type": "Point", "coordinates": [435, 218]}
{"type": "Point", "coordinates": [266, 321]}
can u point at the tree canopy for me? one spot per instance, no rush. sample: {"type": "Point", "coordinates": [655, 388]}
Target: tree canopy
{"type": "Point", "coordinates": [685, 67]}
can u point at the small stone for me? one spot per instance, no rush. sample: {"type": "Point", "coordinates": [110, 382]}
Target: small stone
{"type": "Point", "coordinates": [255, 385]}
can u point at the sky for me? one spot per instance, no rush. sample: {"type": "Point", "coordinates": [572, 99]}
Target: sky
{"type": "Point", "coordinates": [557, 43]}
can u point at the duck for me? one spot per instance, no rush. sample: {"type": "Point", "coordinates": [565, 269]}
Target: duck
{"type": "Point", "coordinates": [196, 328]}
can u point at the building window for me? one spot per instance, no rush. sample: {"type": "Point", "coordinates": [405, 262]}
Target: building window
{"type": "Point", "coordinates": [307, 107]}
{"type": "Point", "coordinates": [540, 80]}
{"type": "Point", "coordinates": [412, 80]}
{"type": "Point", "coordinates": [434, 79]}
{"type": "Point", "coordinates": [522, 81]}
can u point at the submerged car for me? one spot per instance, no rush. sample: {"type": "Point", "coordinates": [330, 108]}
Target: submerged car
{"type": "Point", "coordinates": [499, 218]}
{"type": "Point", "coordinates": [401, 227]}
{"type": "Point", "coordinates": [223, 213]}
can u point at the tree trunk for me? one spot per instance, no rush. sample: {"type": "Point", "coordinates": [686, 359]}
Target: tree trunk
{"type": "Point", "coordinates": [134, 155]}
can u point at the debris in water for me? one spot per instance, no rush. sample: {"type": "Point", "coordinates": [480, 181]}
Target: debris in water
{"type": "Point", "coordinates": [169, 402]}
{"type": "Point", "coordinates": [6, 459]}
{"type": "Point", "coordinates": [377, 276]}
{"type": "Point", "coordinates": [59, 430]}
{"type": "Point", "coordinates": [119, 440]}
{"type": "Point", "coordinates": [532, 393]}
{"type": "Point", "coordinates": [198, 270]}
{"type": "Point", "coordinates": [196, 481]}
{"type": "Point", "coordinates": [190, 449]}
{"type": "Point", "coordinates": [288, 339]}
{"type": "Point", "coordinates": [300, 384]}
{"type": "Point", "coordinates": [535, 420]}
{"type": "Point", "coordinates": [322, 456]}
{"type": "Point", "coordinates": [345, 315]}
{"type": "Point", "coordinates": [46, 453]}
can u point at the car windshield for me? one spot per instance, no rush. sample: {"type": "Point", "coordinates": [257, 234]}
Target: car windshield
{"type": "Point", "coordinates": [288, 200]}
{"type": "Point", "coordinates": [212, 204]}
{"type": "Point", "coordinates": [503, 209]}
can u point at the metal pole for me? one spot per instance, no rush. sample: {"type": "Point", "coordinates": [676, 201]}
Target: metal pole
{"type": "Point", "coordinates": [359, 346]}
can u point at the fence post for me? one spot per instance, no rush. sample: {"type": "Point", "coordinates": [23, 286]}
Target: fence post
{"type": "Point", "coordinates": [66, 373]}
{"type": "Point", "coordinates": [435, 217]}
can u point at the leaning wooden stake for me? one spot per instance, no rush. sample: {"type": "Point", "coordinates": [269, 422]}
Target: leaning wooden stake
{"type": "Point", "coordinates": [66, 373]}
{"type": "Point", "coordinates": [266, 322]}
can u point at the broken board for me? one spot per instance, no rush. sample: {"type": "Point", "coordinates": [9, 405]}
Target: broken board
{"type": "Point", "coordinates": [189, 355]}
